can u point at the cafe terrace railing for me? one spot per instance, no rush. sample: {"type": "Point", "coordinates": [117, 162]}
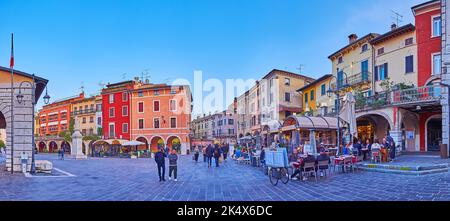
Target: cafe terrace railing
{"type": "Point", "coordinates": [416, 95]}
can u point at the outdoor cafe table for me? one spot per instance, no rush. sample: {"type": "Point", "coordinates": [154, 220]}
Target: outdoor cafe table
{"type": "Point", "coordinates": [257, 158]}
{"type": "Point", "coordinates": [341, 158]}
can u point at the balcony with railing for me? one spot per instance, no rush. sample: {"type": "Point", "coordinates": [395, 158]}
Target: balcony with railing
{"type": "Point", "coordinates": [416, 96]}
{"type": "Point", "coordinates": [354, 80]}
{"type": "Point", "coordinates": [85, 111]}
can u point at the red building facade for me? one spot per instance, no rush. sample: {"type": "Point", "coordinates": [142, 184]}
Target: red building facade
{"type": "Point", "coordinates": [116, 100]}
{"type": "Point", "coordinates": [428, 34]}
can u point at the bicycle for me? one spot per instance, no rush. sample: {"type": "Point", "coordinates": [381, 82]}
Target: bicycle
{"type": "Point", "coordinates": [276, 174]}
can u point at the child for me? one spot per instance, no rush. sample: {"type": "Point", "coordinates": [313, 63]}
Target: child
{"type": "Point", "coordinates": [173, 165]}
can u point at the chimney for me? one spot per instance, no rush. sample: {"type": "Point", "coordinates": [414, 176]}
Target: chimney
{"type": "Point", "coordinates": [393, 27]}
{"type": "Point", "coordinates": [352, 38]}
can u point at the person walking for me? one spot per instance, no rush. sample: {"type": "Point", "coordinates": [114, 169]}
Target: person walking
{"type": "Point", "coordinates": [204, 153]}
{"type": "Point", "coordinates": [63, 149]}
{"type": "Point", "coordinates": [391, 142]}
{"type": "Point", "coordinates": [160, 163]}
{"type": "Point", "coordinates": [225, 149]}
{"type": "Point", "coordinates": [217, 154]}
{"type": "Point", "coordinates": [196, 153]}
{"type": "Point", "coordinates": [209, 154]}
{"type": "Point", "coordinates": [173, 158]}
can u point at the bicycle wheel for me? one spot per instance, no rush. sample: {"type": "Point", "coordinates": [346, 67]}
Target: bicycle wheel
{"type": "Point", "coordinates": [273, 176]}
{"type": "Point", "coordinates": [284, 175]}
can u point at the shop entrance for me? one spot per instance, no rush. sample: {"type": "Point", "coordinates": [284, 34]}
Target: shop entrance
{"type": "Point", "coordinates": [434, 134]}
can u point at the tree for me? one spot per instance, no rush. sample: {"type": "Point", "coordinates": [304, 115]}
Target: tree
{"type": "Point", "coordinates": [2, 144]}
{"type": "Point", "coordinates": [71, 125]}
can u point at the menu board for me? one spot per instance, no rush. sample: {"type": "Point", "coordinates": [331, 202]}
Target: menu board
{"type": "Point", "coordinates": [277, 158]}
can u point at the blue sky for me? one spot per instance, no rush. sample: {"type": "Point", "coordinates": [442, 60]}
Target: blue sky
{"type": "Point", "coordinates": [71, 42]}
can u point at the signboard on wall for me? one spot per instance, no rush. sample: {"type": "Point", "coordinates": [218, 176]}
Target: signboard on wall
{"type": "Point", "coordinates": [410, 135]}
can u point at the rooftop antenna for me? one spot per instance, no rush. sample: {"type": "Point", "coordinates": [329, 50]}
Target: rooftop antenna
{"type": "Point", "coordinates": [396, 17]}
{"type": "Point", "coordinates": [300, 68]}
{"type": "Point", "coordinates": [101, 85]}
{"type": "Point", "coordinates": [145, 75]}
{"type": "Point", "coordinates": [124, 76]}
{"type": "Point", "coordinates": [82, 88]}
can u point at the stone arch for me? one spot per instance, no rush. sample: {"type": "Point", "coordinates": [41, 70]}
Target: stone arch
{"type": "Point", "coordinates": [53, 146]}
{"type": "Point", "coordinates": [42, 146]}
{"type": "Point", "coordinates": [432, 117]}
{"type": "Point", "coordinates": [156, 142]}
{"type": "Point", "coordinates": [143, 140]}
{"type": "Point", "coordinates": [172, 143]}
{"type": "Point", "coordinates": [409, 121]}
{"type": "Point", "coordinates": [68, 148]}
{"type": "Point", "coordinates": [373, 125]}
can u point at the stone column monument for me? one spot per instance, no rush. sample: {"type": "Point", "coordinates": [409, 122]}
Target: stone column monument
{"type": "Point", "coordinates": [77, 142]}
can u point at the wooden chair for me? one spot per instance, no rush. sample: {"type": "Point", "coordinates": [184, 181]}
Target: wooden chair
{"type": "Point", "coordinates": [348, 163]}
{"type": "Point", "coordinates": [376, 155]}
{"type": "Point", "coordinates": [309, 167]}
{"type": "Point", "coordinates": [323, 166]}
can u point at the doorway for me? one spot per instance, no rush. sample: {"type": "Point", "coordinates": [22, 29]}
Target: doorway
{"type": "Point", "coordinates": [434, 134]}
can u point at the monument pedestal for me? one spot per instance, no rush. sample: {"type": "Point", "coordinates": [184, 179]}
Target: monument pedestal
{"type": "Point", "coordinates": [77, 146]}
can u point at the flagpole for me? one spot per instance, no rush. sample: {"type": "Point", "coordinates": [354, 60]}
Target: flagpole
{"type": "Point", "coordinates": [12, 105]}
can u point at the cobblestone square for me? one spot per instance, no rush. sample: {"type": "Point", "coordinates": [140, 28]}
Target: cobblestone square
{"type": "Point", "coordinates": [137, 180]}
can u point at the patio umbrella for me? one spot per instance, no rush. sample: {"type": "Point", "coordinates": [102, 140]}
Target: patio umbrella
{"type": "Point", "coordinates": [312, 141]}
{"type": "Point", "coordinates": [347, 113]}
{"type": "Point", "coordinates": [132, 143]}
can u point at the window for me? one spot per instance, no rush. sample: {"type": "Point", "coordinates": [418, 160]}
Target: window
{"type": "Point", "coordinates": [340, 78]}
{"type": "Point", "coordinates": [91, 119]}
{"type": "Point", "coordinates": [271, 82]}
{"type": "Point", "coordinates": [230, 121]}
{"type": "Point", "coordinates": [83, 132]}
{"type": "Point", "coordinates": [408, 41]}
{"type": "Point", "coordinates": [323, 90]}
{"type": "Point", "coordinates": [173, 105]}
{"type": "Point", "coordinates": [111, 111]}
{"type": "Point", "coordinates": [140, 94]}
{"type": "Point", "coordinates": [173, 122]}
{"type": "Point", "coordinates": [173, 91]}
{"type": "Point", "coordinates": [99, 107]}
{"type": "Point", "coordinates": [91, 131]}
{"type": "Point", "coordinates": [92, 107]}
{"type": "Point", "coordinates": [125, 96]}
{"type": "Point", "coordinates": [436, 32]}
{"type": "Point", "coordinates": [156, 92]}
{"type": "Point", "coordinates": [409, 64]}
{"type": "Point", "coordinates": [124, 110]}
{"type": "Point", "coordinates": [125, 128]}
{"type": "Point", "coordinates": [312, 95]}
{"type": "Point", "coordinates": [86, 108]}
{"type": "Point", "coordinates": [436, 64]}
{"type": "Point", "coordinates": [156, 106]}
{"type": "Point", "coordinates": [84, 120]}
{"type": "Point", "coordinates": [287, 114]}
{"type": "Point", "coordinates": [365, 70]}
{"type": "Point", "coordinates": [381, 51]}
{"type": "Point", "coordinates": [287, 97]}
{"type": "Point", "coordinates": [381, 72]}
{"type": "Point", "coordinates": [141, 123]}
{"type": "Point", "coordinates": [75, 110]}
{"type": "Point", "coordinates": [111, 130]}
{"type": "Point", "coordinates": [111, 98]}
{"type": "Point", "coordinates": [156, 123]}
{"type": "Point", "coordinates": [141, 107]}
{"type": "Point", "coordinates": [306, 97]}
{"type": "Point", "coordinates": [287, 81]}
{"type": "Point", "coordinates": [340, 60]}
{"type": "Point", "coordinates": [99, 120]}
{"type": "Point", "coordinates": [364, 48]}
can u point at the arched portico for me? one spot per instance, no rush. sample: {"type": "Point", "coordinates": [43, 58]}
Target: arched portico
{"type": "Point", "coordinates": [156, 142]}
{"type": "Point", "coordinates": [174, 142]}
{"type": "Point", "coordinates": [373, 126]}
{"type": "Point", "coordinates": [145, 145]}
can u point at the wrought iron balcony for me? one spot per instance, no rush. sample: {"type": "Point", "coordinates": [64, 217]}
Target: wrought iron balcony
{"type": "Point", "coordinates": [354, 80]}
{"type": "Point", "coordinates": [401, 97]}
{"type": "Point", "coordinates": [417, 95]}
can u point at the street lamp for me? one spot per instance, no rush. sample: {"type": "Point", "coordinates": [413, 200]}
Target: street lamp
{"type": "Point", "coordinates": [19, 98]}
{"type": "Point", "coordinates": [330, 92]}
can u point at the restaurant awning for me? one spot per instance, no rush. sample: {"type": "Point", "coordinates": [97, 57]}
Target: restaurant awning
{"type": "Point", "coordinates": [111, 141]}
{"type": "Point", "coordinates": [312, 123]}
{"type": "Point", "coordinates": [272, 126]}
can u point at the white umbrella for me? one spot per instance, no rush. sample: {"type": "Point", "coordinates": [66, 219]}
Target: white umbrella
{"type": "Point", "coordinates": [347, 113]}
{"type": "Point", "coordinates": [132, 143]}
{"type": "Point", "coordinates": [312, 141]}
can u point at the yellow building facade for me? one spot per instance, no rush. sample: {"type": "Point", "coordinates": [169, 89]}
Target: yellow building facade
{"type": "Point", "coordinates": [84, 111]}
{"type": "Point", "coordinates": [314, 96]}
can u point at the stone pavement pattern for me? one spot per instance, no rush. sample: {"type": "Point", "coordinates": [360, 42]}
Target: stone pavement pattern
{"type": "Point", "coordinates": [137, 180]}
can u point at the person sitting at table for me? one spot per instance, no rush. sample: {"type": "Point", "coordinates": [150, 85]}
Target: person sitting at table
{"type": "Point", "coordinates": [367, 147]}
{"type": "Point", "coordinates": [346, 150]}
{"type": "Point", "coordinates": [309, 158]}
{"type": "Point", "coordinates": [262, 157]}
{"type": "Point", "coordinates": [357, 148]}
{"type": "Point", "coordinates": [323, 156]}
{"type": "Point", "coordinates": [294, 163]}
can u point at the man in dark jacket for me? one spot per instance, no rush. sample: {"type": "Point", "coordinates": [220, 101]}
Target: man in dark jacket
{"type": "Point", "coordinates": [209, 154]}
{"type": "Point", "coordinates": [160, 162]}
{"type": "Point", "coordinates": [173, 165]}
{"type": "Point", "coordinates": [217, 152]}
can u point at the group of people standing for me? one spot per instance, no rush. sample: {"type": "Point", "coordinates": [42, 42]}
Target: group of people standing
{"type": "Point", "coordinates": [216, 151]}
